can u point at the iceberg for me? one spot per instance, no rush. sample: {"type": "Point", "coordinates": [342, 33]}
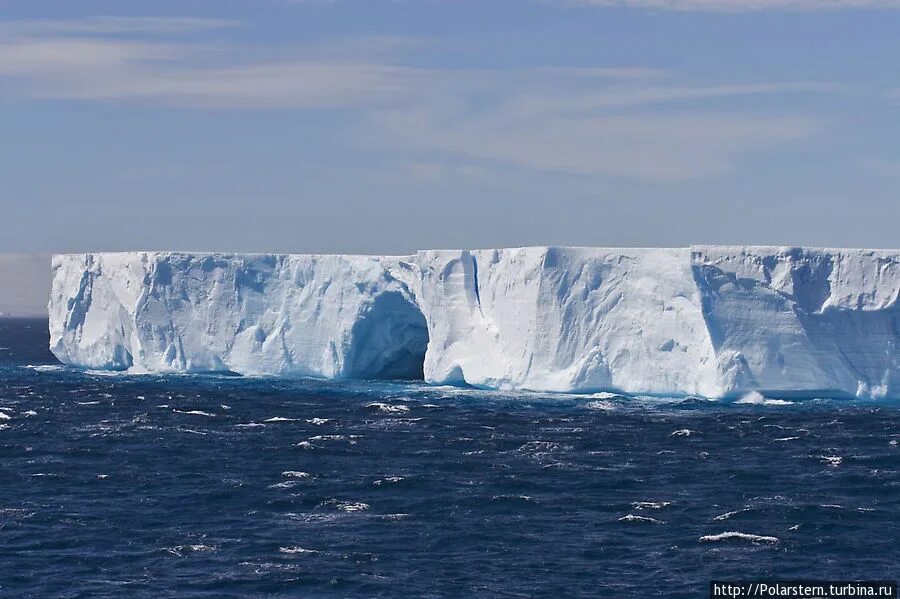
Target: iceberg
{"type": "Point", "coordinates": [710, 321]}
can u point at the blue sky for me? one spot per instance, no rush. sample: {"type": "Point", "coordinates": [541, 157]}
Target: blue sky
{"type": "Point", "coordinates": [382, 126]}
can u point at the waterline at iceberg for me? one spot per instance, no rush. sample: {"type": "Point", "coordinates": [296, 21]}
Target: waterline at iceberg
{"type": "Point", "coordinates": [712, 321]}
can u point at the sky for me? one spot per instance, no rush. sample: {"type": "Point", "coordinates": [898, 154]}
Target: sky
{"type": "Point", "coordinates": [386, 126]}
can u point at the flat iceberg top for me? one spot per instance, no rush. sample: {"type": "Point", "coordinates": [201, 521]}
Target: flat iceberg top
{"type": "Point", "coordinates": [703, 320]}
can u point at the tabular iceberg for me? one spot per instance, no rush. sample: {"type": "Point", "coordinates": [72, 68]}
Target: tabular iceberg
{"type": "Point", "coordinates": [706, 320]}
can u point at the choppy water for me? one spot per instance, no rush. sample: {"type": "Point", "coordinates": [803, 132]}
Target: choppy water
{"type": "Point", "coordinates": [204, 486]}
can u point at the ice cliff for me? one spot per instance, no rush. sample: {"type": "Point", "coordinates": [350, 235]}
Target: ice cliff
{"type": "Point", "coordinates": [707, 320]}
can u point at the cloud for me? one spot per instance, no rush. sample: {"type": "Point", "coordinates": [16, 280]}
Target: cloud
{"type": "Point", "coordinates": [109, 25]}
{"type": "Point", "coordinates": [661, 148]}
{"type": "Point", "coordinates": [624, 120]}
{"type": "Point", "coordinates": [88, 60]}
{"type": "Point", "coordinates": [726, 6]}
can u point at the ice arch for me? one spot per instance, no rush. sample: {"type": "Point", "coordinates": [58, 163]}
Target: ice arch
{"type": "Point", "coordinates": [388, 341]}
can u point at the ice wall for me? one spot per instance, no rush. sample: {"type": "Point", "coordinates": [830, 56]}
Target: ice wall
{"type": "Point", "coordinates": [710, 321]}
{"type": "Point", "coordinates": [326, 316]}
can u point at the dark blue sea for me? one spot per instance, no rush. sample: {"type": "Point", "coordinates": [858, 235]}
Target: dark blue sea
{"type": "Point", "coordinates": [216, 486]}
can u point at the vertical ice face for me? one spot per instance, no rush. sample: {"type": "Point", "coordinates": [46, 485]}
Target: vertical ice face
{"type": "Point", "coordinates": [711, 321]}
{"type": "Point", "coordinates": [792, 319]}
{"type": "Point", "coordinates": [327, 316]}
{"type": "Point", "coordinates": [566, 319]}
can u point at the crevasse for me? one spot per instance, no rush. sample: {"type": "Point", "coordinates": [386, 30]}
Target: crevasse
{"type": "Point", "coordinates": [711, 321]}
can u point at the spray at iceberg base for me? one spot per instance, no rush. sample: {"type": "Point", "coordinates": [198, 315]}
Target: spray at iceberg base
{"type": "Point", "coordinates": [707, 320]}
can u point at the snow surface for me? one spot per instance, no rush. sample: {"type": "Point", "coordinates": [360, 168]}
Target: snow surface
{"type": "Point", "coordinates": [710, 321]}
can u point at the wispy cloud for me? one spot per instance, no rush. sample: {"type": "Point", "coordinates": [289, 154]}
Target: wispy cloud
{"type": "Point", "coordinates": [112, 25]}
{"type": "Point", "coordinates": [629, 121]}
{"type": "Point", "coordinates": [725, 6]}
{"type": "Point", "coordinates": [649, 147]}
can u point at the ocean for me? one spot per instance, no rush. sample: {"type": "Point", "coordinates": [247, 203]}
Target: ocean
{"type": "Point", "coordinates": [215, 486]}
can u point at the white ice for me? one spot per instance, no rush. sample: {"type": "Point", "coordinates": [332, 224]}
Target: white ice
{"type": "Point", "coordinates": [709, 321]}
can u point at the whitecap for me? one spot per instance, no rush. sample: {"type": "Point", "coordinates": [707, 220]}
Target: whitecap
{"type": "Point", "coordinates": [832, 460]}
{"type": "Point", "coordinates": [349, 506]}
{"type": "Point", "coordinates": [742, 536]}
{"type": "Point", "coordinates": [249, 425]}
{"type": "Point", "coordinates": [30, 413]}
{"type": "Point", "coordinates": [642, 519]}
{"type": "Point", "coordinates": [758, 399]}
{"type": "Point", "coordinates": [87, 403]}
{"type": "Point", "coordinates": [388, 408]}
{"type": "Point", "coordinates": [604, 395]}
{"type": "Point", "coordinates": [195, 413]}
{"type": "Point", "coordinates": [105, 372]}
{"type": "Point", "coordinates": [296, 550]}
{"type": "Point", "coordinates": [388, 479]}
{"type": "Point", "coordinates": [650, 505]}
{"type": "Point", "coordinates": [279, 419]}
{"type": "Point", "coordinates": [318, 421]}
{"type": "Point", "coordinates": [526, 498]}
{"type": "Point", "coordinates": [44, 367]}
{"type": "Point", "coordinates": [305, 445]}
{"type": "Point", "coordinates": [192, 431]}
{"type": "Point", "coordinates": [295, 474]}
{"type": "Point", "coordinates": [728, 515]}
{"type": "Point", "coordinates": [605, 406]}
{"type": "Point", "coordinates": [782, 439]}
{"type": "Point", "coordinates": [5, 416]}
{"type": "Point", "coordinates": [287, 484]}
{"type": "Point", "coordinates": [180, 550]}
{"type": "Point", "coordinates": [685, 432]}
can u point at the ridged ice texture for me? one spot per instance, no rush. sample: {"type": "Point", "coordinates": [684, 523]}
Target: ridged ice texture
{"type": "Point", "coordinates": [325, 316]}
{"type": "Point", "coordinates": [709, 321]}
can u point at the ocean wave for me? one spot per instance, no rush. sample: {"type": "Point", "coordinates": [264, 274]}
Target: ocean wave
{"type": "Point", "coordinates": [195, 413]}
{"type": "Point", "coordinates": [684, 432]}
{"type": "Point", "coordinates": [388, 479]}
{"type": "Point", "coordinates": [182, 550]}
{"type": "Point", "coordinates": [640, 519]}
{"type": "Point", "coordinates": [758, 399]}
{"type": "Point", "coordinates": [351, 439]}
{"type": "Point", "coordinates": [286, 484]}
{"type": "Point", "coordinates": [44, 367]}
{"type": "Point", "coordinates": [388, 408]}
{"type": "Point", "coordinates": [728, 515]}
{"type": "Point", "coordinates": [650, 505]}
{"type": "Point", "coordinates": [738, 536]}
{"type": "Point", "coordinates": [347, 506]}
{"type": "Point", "coordinates": [296, 550]}
{"type": "Point", "coordinates": [606, 406]}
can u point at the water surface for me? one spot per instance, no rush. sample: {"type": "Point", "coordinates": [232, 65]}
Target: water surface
{"type": "Point", "coordinates": [213, 486]}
